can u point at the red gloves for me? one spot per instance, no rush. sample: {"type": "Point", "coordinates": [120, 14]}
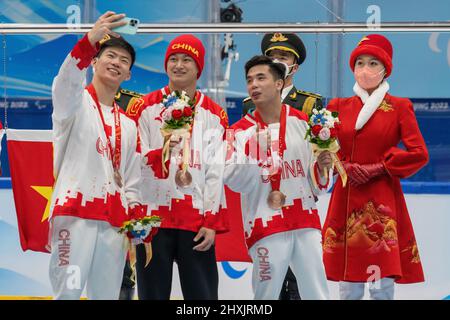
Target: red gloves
{"type": "Point", "coordinates": [361, 173]}
{"type": "Point", "coordinates": [374, 169]}
{"type": "Point", "coordinates": [356, 175]}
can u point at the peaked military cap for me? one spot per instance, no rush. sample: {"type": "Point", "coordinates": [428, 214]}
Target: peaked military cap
{"type": "Point", "coordinates": [284, 41]}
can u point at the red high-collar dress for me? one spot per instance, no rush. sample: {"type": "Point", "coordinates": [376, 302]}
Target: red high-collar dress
{"type": "Point", "coordinates": [368, 232]}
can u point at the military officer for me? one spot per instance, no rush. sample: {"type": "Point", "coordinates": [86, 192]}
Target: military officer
{"type": "Point", "coordinates": [288, 48]}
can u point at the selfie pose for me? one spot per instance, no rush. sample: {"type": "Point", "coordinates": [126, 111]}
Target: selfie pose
{"type": "Point", "coordinates": [97, 166]}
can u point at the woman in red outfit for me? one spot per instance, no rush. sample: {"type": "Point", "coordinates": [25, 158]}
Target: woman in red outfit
{"type": "Point", "coordinates": [367, 234]}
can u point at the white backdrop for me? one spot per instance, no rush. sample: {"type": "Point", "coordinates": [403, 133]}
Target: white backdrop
{"type": "Point", "coordinates": [26, 273]}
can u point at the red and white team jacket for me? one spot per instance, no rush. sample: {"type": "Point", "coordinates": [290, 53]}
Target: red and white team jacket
{"type": "Point", "coordinates": [83, 168]}
{"type": "Point", "coordinates": [246, 175]}
{"type": "Point", "coordinates": [197, 205]}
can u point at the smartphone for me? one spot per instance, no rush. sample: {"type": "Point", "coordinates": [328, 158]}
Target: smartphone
{"type": "Point", "coordinates": [130, 28]}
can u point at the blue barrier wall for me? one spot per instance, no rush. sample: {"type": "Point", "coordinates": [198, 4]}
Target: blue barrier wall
{"type": "Point", "coordinates": [433, 116]}
{"type": "Point", "coordinates": [421, 60]}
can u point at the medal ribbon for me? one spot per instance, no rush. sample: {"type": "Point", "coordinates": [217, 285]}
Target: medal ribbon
{"type": "Point", "coordinates": [275, 179]}
{"type": "Point", "coordinates": [116, 155]}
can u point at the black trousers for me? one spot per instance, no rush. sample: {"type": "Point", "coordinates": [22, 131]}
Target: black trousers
{"type": "Point", "coordinates": [127, 289]}
{"type": "Point", "coordinates": [199, 277]}
{"type": "Point", "coordinates": [289, 291]}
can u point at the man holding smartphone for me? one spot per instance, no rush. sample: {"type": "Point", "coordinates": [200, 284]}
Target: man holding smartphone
{"type": "Point", "coordinates": [97, 166]}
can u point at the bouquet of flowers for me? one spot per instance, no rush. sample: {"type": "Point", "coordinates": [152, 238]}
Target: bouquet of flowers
{"type": "Point", "coordinates": [140, 229]}
{"type": "Point", "coordinates": [177, 113]}
{"type": "Point", "coordinates": [322, 134]}
{"type": "Point", "coordinates": [178, 117]}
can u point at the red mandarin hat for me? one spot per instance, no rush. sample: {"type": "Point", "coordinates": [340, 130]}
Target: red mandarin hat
{"type": "Point", "coordinates": [375, 45]}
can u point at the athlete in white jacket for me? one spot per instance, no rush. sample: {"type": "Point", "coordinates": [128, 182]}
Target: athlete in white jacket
{"type": "Point", "coordinates": [270, 163]}
{"type": "Point", "coordinates": [97, 166]}
{"type": "Point", "coordinates": [191, 216]}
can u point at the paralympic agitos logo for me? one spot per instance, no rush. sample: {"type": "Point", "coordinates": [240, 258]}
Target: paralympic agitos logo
{"type": "Point", "coordinates": [232, 272]}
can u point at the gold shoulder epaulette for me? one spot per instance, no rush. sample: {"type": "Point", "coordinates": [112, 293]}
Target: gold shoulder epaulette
{"type": "Point", "coordinates": [134, 106]}
{"type": "Point", "coordinates": [131, 93]}
{"type": "Point", "coordinates": [310, 94]}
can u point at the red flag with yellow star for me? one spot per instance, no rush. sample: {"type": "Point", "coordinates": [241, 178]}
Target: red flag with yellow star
{"type": "Point", "coordinates": [31, 164]}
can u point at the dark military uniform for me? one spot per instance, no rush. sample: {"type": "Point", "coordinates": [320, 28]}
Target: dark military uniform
{"type": "Point", "coordinates": [301, 100]}
{"type": "Point", "coordinates": [125, 99]}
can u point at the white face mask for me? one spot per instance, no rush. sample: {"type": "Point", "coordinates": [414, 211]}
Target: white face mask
{"type": "Point", "coordinates": [291, 68]}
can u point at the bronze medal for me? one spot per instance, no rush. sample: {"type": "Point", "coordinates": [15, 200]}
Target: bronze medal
{"type": "Point", "coordinates": [183, 179]}
{"type": "Point", "coordinates": [276, 199]}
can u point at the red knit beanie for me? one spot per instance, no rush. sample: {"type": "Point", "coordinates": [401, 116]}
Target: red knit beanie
{"type": "Point", "coordinates": [375, 45]}
{"type": "Point", "coordinates": [190, 45]}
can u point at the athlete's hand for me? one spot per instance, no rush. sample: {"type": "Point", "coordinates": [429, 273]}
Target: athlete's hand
{"type": "Point", "coordinates": [103, 26]}
{"type": "Point", "coordinates": [208, 236]}
{"type": "Point", "coordinates": [324, 161]}
{"type": "Point", "coordinates": [174, 141]}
